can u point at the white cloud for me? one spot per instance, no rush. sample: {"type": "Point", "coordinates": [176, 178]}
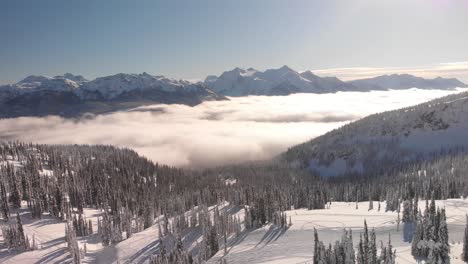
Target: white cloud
{"type": "Point", "coordinates": [215, 133]}
{"type": "Point", "coordinates": [448, 70]}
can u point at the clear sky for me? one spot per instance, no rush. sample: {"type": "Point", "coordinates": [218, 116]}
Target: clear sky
{"type": "Point", "coordinates": [194, 38]}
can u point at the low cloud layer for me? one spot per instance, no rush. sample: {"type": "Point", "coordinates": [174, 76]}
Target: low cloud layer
{"type": "Point", "coordinates": [447, 70]}
{"type": "Point", "coordinates": [215, 133]}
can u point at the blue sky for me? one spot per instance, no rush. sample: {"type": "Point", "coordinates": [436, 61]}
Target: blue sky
{"type": "Point", "coordinates": [191, 39]}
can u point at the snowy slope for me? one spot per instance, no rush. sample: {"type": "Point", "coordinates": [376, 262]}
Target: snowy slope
{"type": "Point", "coordinates": [296, 244]}
{"type": "Point", "coordinates": [388, 139]}
{"type": "Point", "coordinates": [49, 236]}
{"type": "Point", "coordinates": [52, 247]}
{"type": "Point", "coordinates": [263, 245]}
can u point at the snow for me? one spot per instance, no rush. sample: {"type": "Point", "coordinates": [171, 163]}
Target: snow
{"type": "Point", "coordinates": [229, 182]}
{"type": "Point", "coordinates": [240, 82]}
{"type": "Point", "coordinates": [284, 80]}
{"type": "Point", "coordinates": [396, 136]}
{"type": "Point", "coordinates": [48, 173]}
{"type": "Point", "coordinates": [264, 245]}
{"type": "Point", "coordinates": [109, 87]}
{"type": "Point", "coordinates": [139, 247]}
{"type": "Point", "coordinates": [295, 244]}
{"type": "Point", "coordinates": [49, 233]}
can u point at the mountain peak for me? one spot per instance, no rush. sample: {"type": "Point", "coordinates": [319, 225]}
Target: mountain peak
{"type": "Point", "coordinates": [309, 75]}
{"type": "Point", "coordinates": [72, 77]}
{"type": "Point", "coordinates": [237, 69]}
{"type": "Point", "coordinates": [285, 68]}
{"type": "Point", "coordinates": [280, 81]}
{"type": "Point", "coordinates": [34, 78]}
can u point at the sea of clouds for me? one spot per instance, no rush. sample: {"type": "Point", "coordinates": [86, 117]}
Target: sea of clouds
{"type": "Point", "coordinates": [216, 133]}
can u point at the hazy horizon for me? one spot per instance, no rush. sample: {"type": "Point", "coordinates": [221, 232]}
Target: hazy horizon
{"type": "Point", "coordinates": [457, 70]}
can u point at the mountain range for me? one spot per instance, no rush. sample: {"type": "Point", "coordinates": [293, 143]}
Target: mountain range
{"type": "Point", "coordinates": [71, 95]}
{"type": "Point", "coordinates": [284, 81]}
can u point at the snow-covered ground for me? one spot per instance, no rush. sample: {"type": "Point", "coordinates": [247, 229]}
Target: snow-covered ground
{"type": "Point", "coordinates": [49, 233]}
{"type": "Point", "coordinates": [263, 245]}
{"type": "Point", "coordinates": [296, 244]}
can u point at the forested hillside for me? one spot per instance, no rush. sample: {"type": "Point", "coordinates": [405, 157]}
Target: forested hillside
{"type": "Point", "coordinates": [384, 141]}
{"type": "Point", "coordinates": [132, 194]}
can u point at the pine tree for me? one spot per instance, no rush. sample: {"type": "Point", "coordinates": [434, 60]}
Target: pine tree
{"type": "Point", "coordinates": [415, 207]}
{"type": "Point", "coordinates": [341, 253]}
{"type": "Point", "coordinates": [387, 254]}
{"type": "Point", "coordinates": [408, 219]}
{"type": "Point", "coordinates": [317, 248]}
{"type": "Point", "coordinates": [4, 202]}
{"type": "Point", "coordinates": [465, 242]}
{"type": "Point", "coordinates": [417, 237]}
{"type": "Point", "coordinates": [21, 235]}
{"type": "Point", "coordinates": [360, 256]}
{"type": "Point", "coordinates": [90, 227]}
{"type": "Point", "coordinates": [443, 238]}
{"type": "Point", "coordinates": [366, 243]}
{"type": "Point", "coordinates": [72, 243]}
{"type": "Point", "coordinates": [372, 249]}
{"type": "Point", "coordinates": [15, 196]}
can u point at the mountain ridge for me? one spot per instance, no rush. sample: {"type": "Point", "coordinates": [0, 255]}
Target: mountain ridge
{"type": "Point", "coordinates": [284, 81]}
{"type": "Point", "coordinates": [40, 95]}
{"type": "Point", "coordinates": [374, 143]}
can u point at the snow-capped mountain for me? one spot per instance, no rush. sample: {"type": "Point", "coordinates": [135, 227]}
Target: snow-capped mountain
{"type": "Point", "coordinates": [71, 77]}
{"type": "Point", "coordinates": [282, 81]}
{"type": "Point", "coordinates": [111, 87]}
{"type": "Point", "coordinates": [70, 95]}
{"type": "Point", "coordinates": [387, 140]}
{"type": "Point", "coordinates": [406, 81]}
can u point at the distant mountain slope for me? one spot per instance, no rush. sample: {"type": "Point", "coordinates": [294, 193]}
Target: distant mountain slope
{"type": "Point", "coordinates": [406, 81]}
{"type": "Point", "coordinates": [71, 95]}
{"type": "Point", "coordinates": [284, 81]}
{"type": "Point", "coordinates": [388, 139]}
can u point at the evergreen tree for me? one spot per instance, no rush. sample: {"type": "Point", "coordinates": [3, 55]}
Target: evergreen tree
{"type": "Point", "coordinates": [5, 210]}
{"type": "Point", "coordinates": [366, 243]}
{"type": "Point", "coordinates": [360, 256]}
{"type": "Point", "coordinates": [372, 249]}
{"type": "Point", "coordinates": [21, 235]}
{"type": "Point", "coordinates": [443, 239]}
{"type": "Point", "coordinates": [387, 254]}
{"type": "Point", "coordinates": [465, 242]}
{"type": "Point", "coordinates": [317, 246]}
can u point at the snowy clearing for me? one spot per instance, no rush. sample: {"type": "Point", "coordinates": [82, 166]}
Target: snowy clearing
{"type": "Point", "coordinates": [296, 244]}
